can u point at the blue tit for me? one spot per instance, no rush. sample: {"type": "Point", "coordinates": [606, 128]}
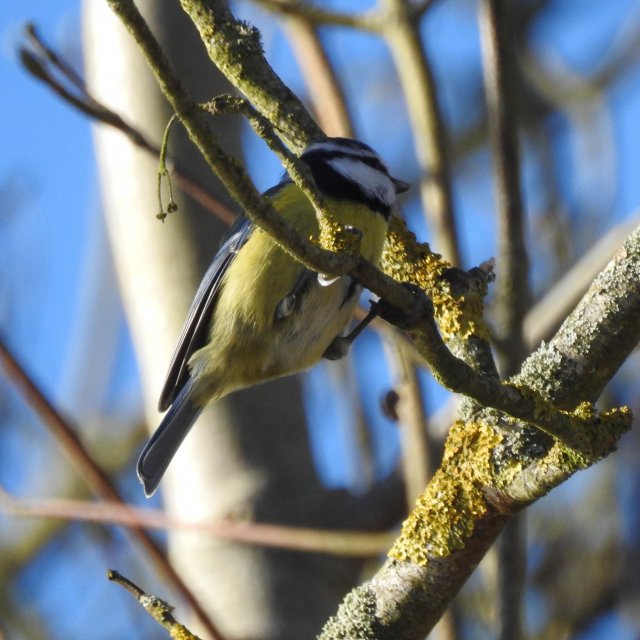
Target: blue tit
{"type": "Point", "coordinates": [259, 313]}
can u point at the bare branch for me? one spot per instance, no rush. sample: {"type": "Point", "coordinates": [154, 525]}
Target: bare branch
{"type": "Point", "coordinates": [512, 282]}
{"type": "Point", "coordinates": [158, 609]}
{"type": "Point", "coordinates": [411, 414]}
{"type": "Point", "coordinates": [365, 21]}
{"type": "Point", "coordinates": [340, 543]}
{"type": "Point", "coordinates": [37, 62]}
{"type": "Point", "coordinates": [322, 81]}
{"type": "Point", "coordinates": [101, 485]}
{"type": "Point", "coordinates": [501, 83]}
{"type": "Point", "coordinates": [402, 33]}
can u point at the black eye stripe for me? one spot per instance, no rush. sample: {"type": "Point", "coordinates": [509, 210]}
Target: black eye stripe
{"type": "Point", "coordinates": [336, 180]}
{"type": "Point", "coordinates": [335, 185]}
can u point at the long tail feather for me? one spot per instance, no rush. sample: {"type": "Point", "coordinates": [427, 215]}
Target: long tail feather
{"type": "Point", "coordinates": [163, 444]}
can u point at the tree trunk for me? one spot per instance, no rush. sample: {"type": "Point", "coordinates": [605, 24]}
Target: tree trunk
{"type": "Point", "coordinates": [248, 456]}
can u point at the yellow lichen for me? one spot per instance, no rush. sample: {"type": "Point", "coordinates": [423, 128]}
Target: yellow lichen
{"type": "Point", "coordinates": [600, 431]}
{"type": "Point", "coordinates": [598, 435]}
{"type": "Point", "coordinates": [407, 260]}
{"type": "Point", "coordinates": [339, 238]}
{"type": "Point", "coordinates": [543, 409]}
{"type": "Point", "coordinates": [446, 513]}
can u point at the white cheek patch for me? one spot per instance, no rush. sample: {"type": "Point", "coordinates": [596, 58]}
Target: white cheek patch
{"type": "Point", "coordinates": [374, 183]}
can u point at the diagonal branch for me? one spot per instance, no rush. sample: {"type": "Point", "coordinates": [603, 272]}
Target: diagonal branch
{"type": "Point", "coordinates": [476, 492]}
{"type": "Point", "coordinates": [452, 372]}
{"type": "Point", "coordinates": [322, 81]}
{"type": "Point", "coordinates": [93, 475]}
{"type": "Point", "coordinates": [47, 66]}
{"type": "Point", "coordinates": [158, 609]}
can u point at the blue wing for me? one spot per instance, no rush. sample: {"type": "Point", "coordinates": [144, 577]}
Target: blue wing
{"type": "Point", "coordinates": [196, 327]}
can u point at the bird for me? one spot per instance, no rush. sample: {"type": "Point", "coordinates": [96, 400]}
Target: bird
{"type": "Point", "coordinates": [258, 313]}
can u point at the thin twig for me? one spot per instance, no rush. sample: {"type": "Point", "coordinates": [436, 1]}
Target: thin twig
{"type": "Point", "coordinates": [401, 30]}
{"type": "Point", "coordinates": [501, 83]}
{"type": "Point", "coordinates": [365, 21]}
{"type": "Point", "coordinates": [340, 543]}
{"type": "Point", "coordinates": [159, 610]}
{"type": "Point", "coordinates": [322, 81]}
{"type": "Point", "coordinates": [93, 475]}
{"type": "Point", "coordinates": [512, 283]}
{"type": "Point", "coordinates": [44, 64]}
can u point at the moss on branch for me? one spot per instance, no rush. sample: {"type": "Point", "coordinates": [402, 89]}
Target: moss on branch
{"type": "Point", "coordinates": [234, 47]}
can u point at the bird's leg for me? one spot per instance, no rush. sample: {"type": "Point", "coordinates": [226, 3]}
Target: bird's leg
{"type": "Point", "coordinates": [339, 347]}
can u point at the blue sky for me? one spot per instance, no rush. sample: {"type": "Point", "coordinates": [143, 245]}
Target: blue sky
{"type": "Point", "coordinates": [47, 158]}
{"type": "Point", "coordinates": [52, 246]}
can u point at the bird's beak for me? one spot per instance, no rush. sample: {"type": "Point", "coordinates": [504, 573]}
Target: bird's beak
{"type": "Point", "coordinates": [400, 185]}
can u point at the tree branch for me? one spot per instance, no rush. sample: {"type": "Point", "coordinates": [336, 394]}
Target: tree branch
{"type": "Point", "coordinates": [501, 85]}
{"type": "Point", "coordinates": [322, 81]}
{"type": "Point", "coordinates": [93, 475]}
{"type": "Point", "coordinates": [401, 31]}
{"type": "Point", "coordinates": [235, 48]}
{"type": "Point", "coordinates": [485, 478]}
{"type": "Point", "coordinates": [340, 543]}
{"type": "Point", "coordinates": [512, 283]}
{"type": "Point", "coordinates": [45, 64]}
{"type": "Point", "coordinates": [158, 609]}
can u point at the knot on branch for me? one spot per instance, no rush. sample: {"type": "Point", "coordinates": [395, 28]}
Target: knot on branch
{"type": "Point", "coordinates": [598, 432]}
{"type": "Point", "coordinates": [529, 471]}
{"type": "Point", "coordinates": [585, 433]}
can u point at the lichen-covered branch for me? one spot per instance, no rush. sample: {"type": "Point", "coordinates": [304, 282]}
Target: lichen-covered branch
{"type": "Point", "coordinates": [460, 316]}
{"type": "Point", "coordinates": [235, 48]}
{"type": "Point", "coordinates": [158, 609]}
{"type": "Point", "coordinates": [494, 467]}
{"type": "Point", "coordinates": [456, 319]}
